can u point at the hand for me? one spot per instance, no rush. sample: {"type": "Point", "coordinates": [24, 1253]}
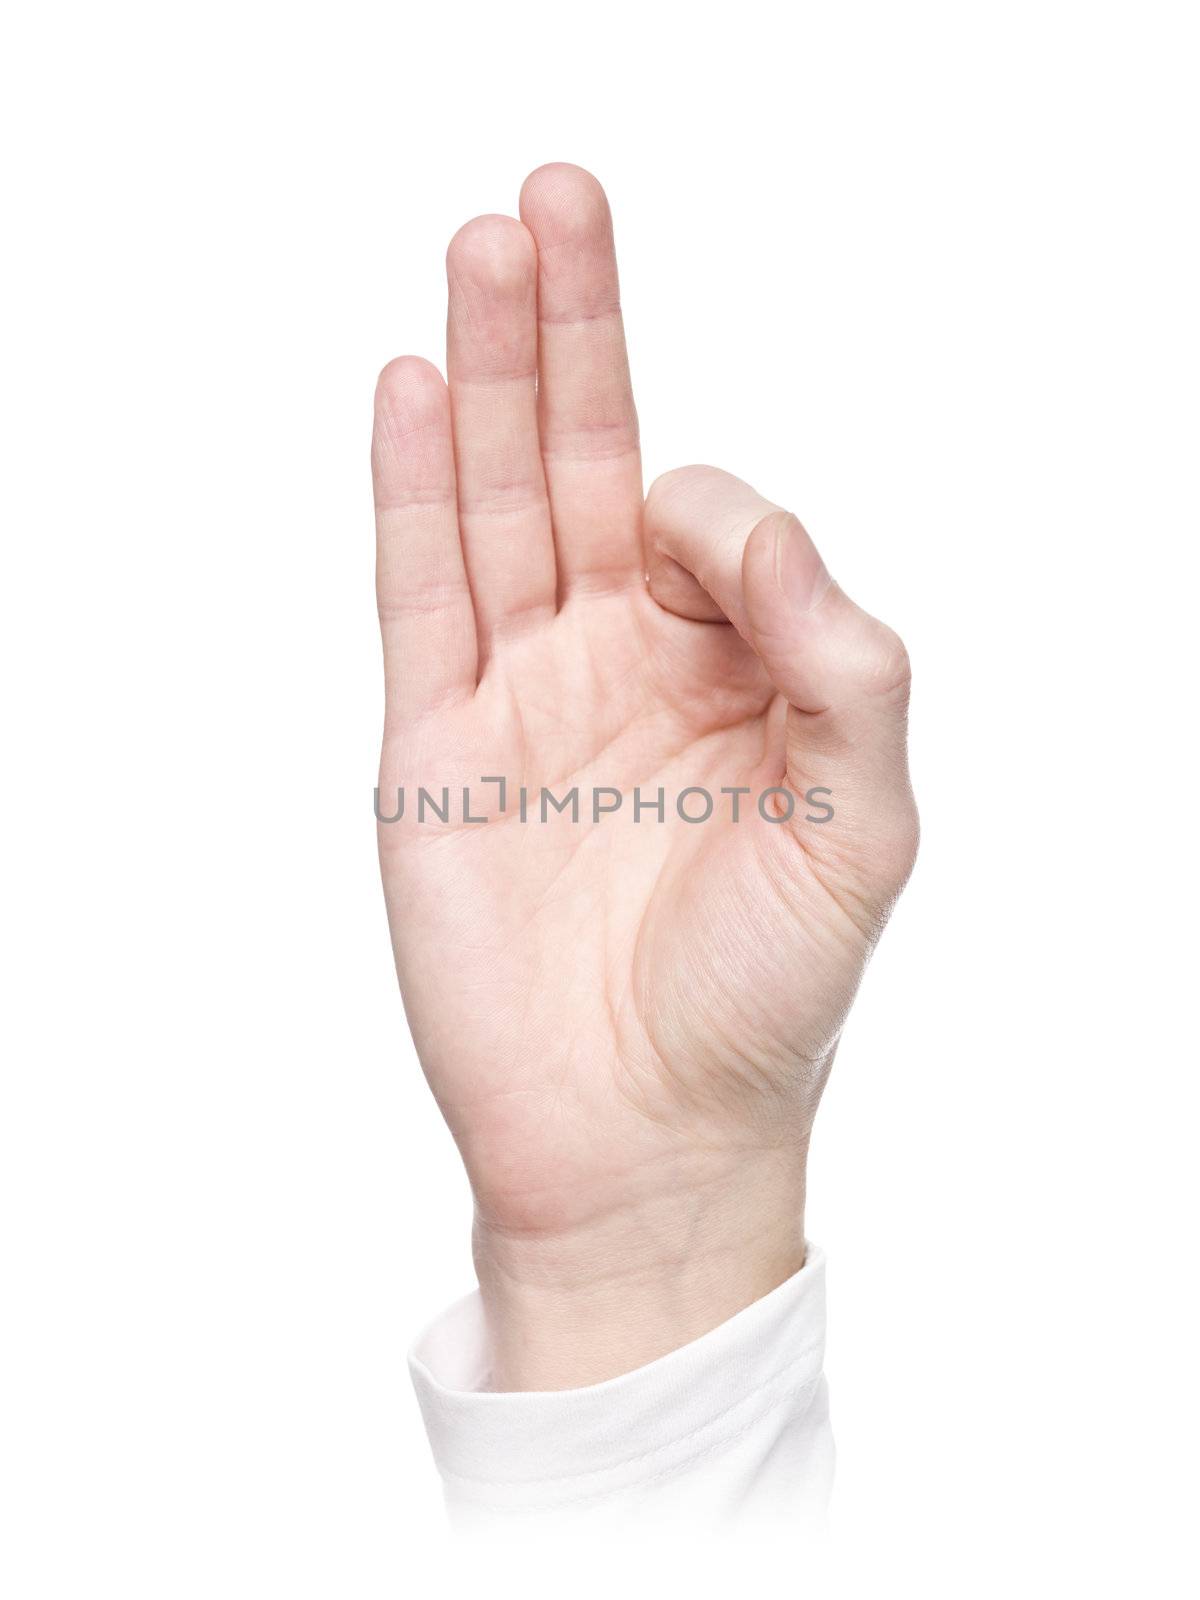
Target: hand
{"type": "Point", "coordinates": [627, 1023]}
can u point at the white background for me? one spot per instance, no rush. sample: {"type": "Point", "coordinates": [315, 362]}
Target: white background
{"type": "Point", "coordinates": [925, 273]}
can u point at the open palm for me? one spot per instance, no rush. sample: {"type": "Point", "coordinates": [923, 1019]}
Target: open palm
{"type": "Point", "coordinates": [638, 997]}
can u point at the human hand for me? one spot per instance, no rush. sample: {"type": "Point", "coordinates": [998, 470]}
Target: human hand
{"type": "Point", "coordinates": [627, 1022]}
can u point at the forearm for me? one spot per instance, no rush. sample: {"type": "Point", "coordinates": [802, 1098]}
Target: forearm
{"type": "Point", "coordinates": [578, 1307]}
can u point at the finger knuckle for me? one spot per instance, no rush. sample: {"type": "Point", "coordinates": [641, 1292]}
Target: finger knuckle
{"type": "Point", "coordinates": [679, 481]}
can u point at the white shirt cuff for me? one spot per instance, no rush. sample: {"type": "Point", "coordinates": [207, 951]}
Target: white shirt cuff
{"type": "Point", "coordinates": [735, 1422]}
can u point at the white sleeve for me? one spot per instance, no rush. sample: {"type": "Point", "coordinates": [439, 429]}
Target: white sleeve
{"type": "Point", "coordinates": [734, 1424]}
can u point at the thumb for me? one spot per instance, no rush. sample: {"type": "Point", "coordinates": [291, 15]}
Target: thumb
{"type": "Point", "coordinates": [845, 676]}
{"type": "Point", "coordinates": [844, 673]}
{"type": "Point", "coordinates": [713, 540]}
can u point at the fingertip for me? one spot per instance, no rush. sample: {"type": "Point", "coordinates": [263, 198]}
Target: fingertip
{"type": "Point", "coordinates": [409, 384]}
{"type": "Point", "coordinates": [560, 201]}
{"type": "Point", "coordinates": [412, 418]}
{"type": "Point", "coordinates": [493, 251]}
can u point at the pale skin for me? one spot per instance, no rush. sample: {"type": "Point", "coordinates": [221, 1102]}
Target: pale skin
{"type": "Point", "coordinates": [627, 1025]}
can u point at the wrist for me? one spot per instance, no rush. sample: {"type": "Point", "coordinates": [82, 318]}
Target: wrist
{"type": "Point", "coordinates": [575, 1306]}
